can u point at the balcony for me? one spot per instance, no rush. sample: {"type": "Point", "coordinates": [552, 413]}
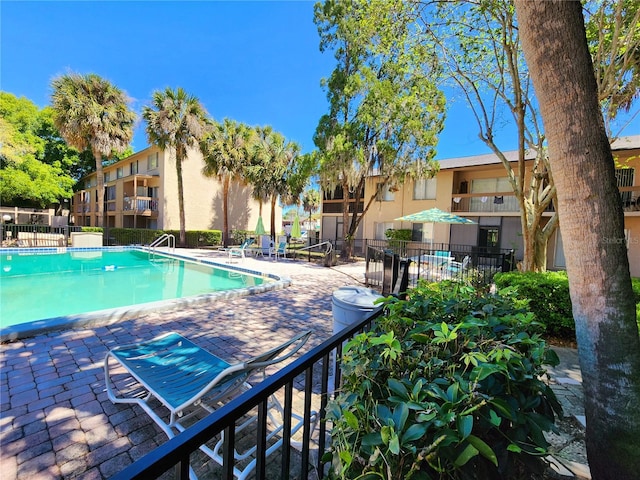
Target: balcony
{"type": "Point", "coordinates": [145, 206]}
{"type": "Point", "coordinates": [630, 199]}
{"type": "Point", "coordinates": [506, 202]}
{"type": "Point", "coordinates": [497, 202]}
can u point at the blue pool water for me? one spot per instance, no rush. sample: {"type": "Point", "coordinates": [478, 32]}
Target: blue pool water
{"type": "Point", "coordinates": [44, 286]}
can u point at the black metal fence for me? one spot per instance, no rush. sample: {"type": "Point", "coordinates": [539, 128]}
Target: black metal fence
{"type": "Point", "coordinates": [435, 262]}
{"type": "Point", "coordinates": [316, 372]}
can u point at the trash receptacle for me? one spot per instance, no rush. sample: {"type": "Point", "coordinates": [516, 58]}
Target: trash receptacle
{"type": "Point", "coordinates": [351, 304]}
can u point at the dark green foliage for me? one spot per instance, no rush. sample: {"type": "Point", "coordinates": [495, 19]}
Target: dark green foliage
{"type": "Point", "coordinates": [139, 236]}
{"type": "Point", "coordinates": [239, 236]}
{"type": "Point", "coordinates": [398, 240]}
{"type": "Point", "coordinates": [549, 300]}
{"type": "Point", "coordinates": [447, 384]}
{"type": "Point", "coordinates": [403, 234]}
{"type": "Point", "coordinates": [200, 238]}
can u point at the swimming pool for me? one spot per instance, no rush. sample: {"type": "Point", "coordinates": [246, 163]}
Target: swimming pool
{"type": "Point", "coordinates": [46, 290]}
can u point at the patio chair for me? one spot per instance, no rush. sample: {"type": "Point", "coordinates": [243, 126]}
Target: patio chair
{"type": "Point", "coordinates": [174, 381]}
{"type": "Point", "coordinates": [240, 251]}
{"type": "Point", "coordinates": [455, 269]}
{"type": "Point", "coordinates": [281, 251]}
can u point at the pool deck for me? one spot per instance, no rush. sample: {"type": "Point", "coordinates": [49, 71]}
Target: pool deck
{"type": "Point", "coordinates": [56, 420]}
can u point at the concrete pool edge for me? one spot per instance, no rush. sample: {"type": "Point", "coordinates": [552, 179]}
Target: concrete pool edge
{"type": "Point", "coordinates": [114, 315]}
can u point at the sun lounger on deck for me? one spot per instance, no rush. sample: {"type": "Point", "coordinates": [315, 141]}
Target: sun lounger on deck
{"type": "Point", "coordinates": [186, 379]}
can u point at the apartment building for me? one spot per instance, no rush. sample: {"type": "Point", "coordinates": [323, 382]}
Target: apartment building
{"type": "Point", "coordinates": [477, 188]}
{"type": "Point", "coordinates": [141, 191]}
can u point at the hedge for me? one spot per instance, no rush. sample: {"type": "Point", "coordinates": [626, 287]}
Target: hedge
{"type": "Point", "coordinates": [141, 236]}
{"type": "Point", "coordinates": [548, 295]}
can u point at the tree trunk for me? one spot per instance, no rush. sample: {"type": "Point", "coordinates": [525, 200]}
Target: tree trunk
{"type": "Point", "coordinates": [272, 225]}
{"type": "Point", "coordinates": [225, 210]}
{"type": "Point", "coordinates": [590, 209]}
{"type": "Point", "coordinates": [183, 233]}
{"type": "Point", "coordinates": [100, 187]}
{"type": "Point", "coordinates": [347, 240]}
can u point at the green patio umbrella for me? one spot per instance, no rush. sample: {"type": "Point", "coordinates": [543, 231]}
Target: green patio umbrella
{"type": "Point", "coordinates": [295, 229]}
{"type": "Point", "coordinates": [260, 227]}
{"type": "Point", "coordinates": [434, 215]}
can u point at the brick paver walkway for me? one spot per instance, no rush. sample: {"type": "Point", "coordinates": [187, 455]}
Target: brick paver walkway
{"type": "Point", "coordinates": [56, 419]}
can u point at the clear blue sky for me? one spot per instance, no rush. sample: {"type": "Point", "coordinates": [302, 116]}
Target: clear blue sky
{"type": "Point", "coordinates": [255, 62]}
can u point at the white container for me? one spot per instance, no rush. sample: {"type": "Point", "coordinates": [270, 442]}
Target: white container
{"type": "Point", "coordinates": [352, 304]}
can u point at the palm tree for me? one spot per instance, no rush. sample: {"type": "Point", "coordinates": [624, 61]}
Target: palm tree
{"type": "Point", "coordinates": [225, 155]}
{"type": "Point", "coordinates": [311, 203]}
{"type": "Point", "coordinates": [257, 172]}
{"type": "Point", "coordinates": [279, 175]}
{"type": "Point", "coordinates": [92, 114]}
{"type": "Point", "coordinates": [176, 121]}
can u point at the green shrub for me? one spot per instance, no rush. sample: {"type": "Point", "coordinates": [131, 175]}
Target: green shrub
{"type": "Point", "coordinates": [398, 239]}
{"type": "Point", "coordinates": [549, 300]}
{"type": "Point", "coordinates": [239, 236]}
{"type": "Point", "coordinates": [445, 385]}
{"type": "Point", "coordinates": [403, 234]}
{"type": "Point", "coordinates": [92, 229]}
{"type": "Point", "coordinates": [199, 238]}
{"type": "Point", "coordinates": [142, 236]}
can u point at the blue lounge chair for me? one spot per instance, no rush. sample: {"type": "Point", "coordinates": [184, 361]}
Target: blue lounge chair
{"type": "Point", "coordinates": [188, 382]}
{"type": "Point", "coordinates": [281, 251]}
{"type": "Point", "coordinates": [240, 251]}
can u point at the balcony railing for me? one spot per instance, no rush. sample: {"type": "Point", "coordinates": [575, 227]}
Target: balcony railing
{"type": "Point", "coordinates": [140, 204]}
{"type": "Point", "coordinates": [498, 202]}
{"type": "Point", "coordinates": [501, 202]}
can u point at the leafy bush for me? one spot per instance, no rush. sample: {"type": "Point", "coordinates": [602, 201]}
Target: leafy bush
{"type": "Point", "coordinates": [403, 234]}
{"type": "Point", "coordinates": [549, 300]}
{"type": "Point", "coordinates": [398, 240]}
{"type": "Point", "coordinates": [239, 236]}
{"type": "Point", "coordinates": [446, 384]}
{"type": "Point", "coordinates": [141, 236]}
{"type": "Point", "coordinates": [199, 238]}
{"type": "Point", "coordinates": [91, 229]}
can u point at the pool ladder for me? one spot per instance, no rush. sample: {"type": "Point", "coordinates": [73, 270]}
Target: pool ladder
{"type": "Point", "coordinates": [167, 238]}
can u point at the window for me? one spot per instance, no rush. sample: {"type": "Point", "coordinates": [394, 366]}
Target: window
{"type": "Point", "coordinates": [107, 176]}
{"type": "Point", "coordinates": [624, 178]}
{"type": "Point", "coordinates": [119, 172]}
{"type": "Point", "coordinates": [490, 185]}
{"type": "Point", "coordinates": [424, 189]}
{"type": "Point", "coordinates": [489, 202]}
{"type": "Point", "coordinates": [384, 193]}
{"type": "Point", "coordinates": [422, 232]}
{"type": "Point", "coordinates": [152, 161]}
{"type": "Point", "coordinates": [134, 168]}
{"type": "Point", "coordinates": [381, 229]}
{"type": "Point", "coordinates": [111, 193]}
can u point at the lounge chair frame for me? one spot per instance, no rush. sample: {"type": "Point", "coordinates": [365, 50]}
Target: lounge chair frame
{"type": "Point", "coordinates": [187, 379]}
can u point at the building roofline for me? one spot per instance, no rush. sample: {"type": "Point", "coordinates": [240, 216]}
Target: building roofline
{"type": "Point", "coordinates": [621, 143]}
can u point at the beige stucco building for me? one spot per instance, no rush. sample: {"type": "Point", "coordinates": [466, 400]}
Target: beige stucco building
{"type": "Point", "coordinates": [477, 188]}
{"type": "Point", "coordinates": [141, 191]}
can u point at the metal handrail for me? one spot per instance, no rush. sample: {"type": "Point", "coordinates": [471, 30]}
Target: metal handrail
{"type": "Point", "coordinates": [168, 237]}
{"type": "Point", "coordinates": [328, 250]}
